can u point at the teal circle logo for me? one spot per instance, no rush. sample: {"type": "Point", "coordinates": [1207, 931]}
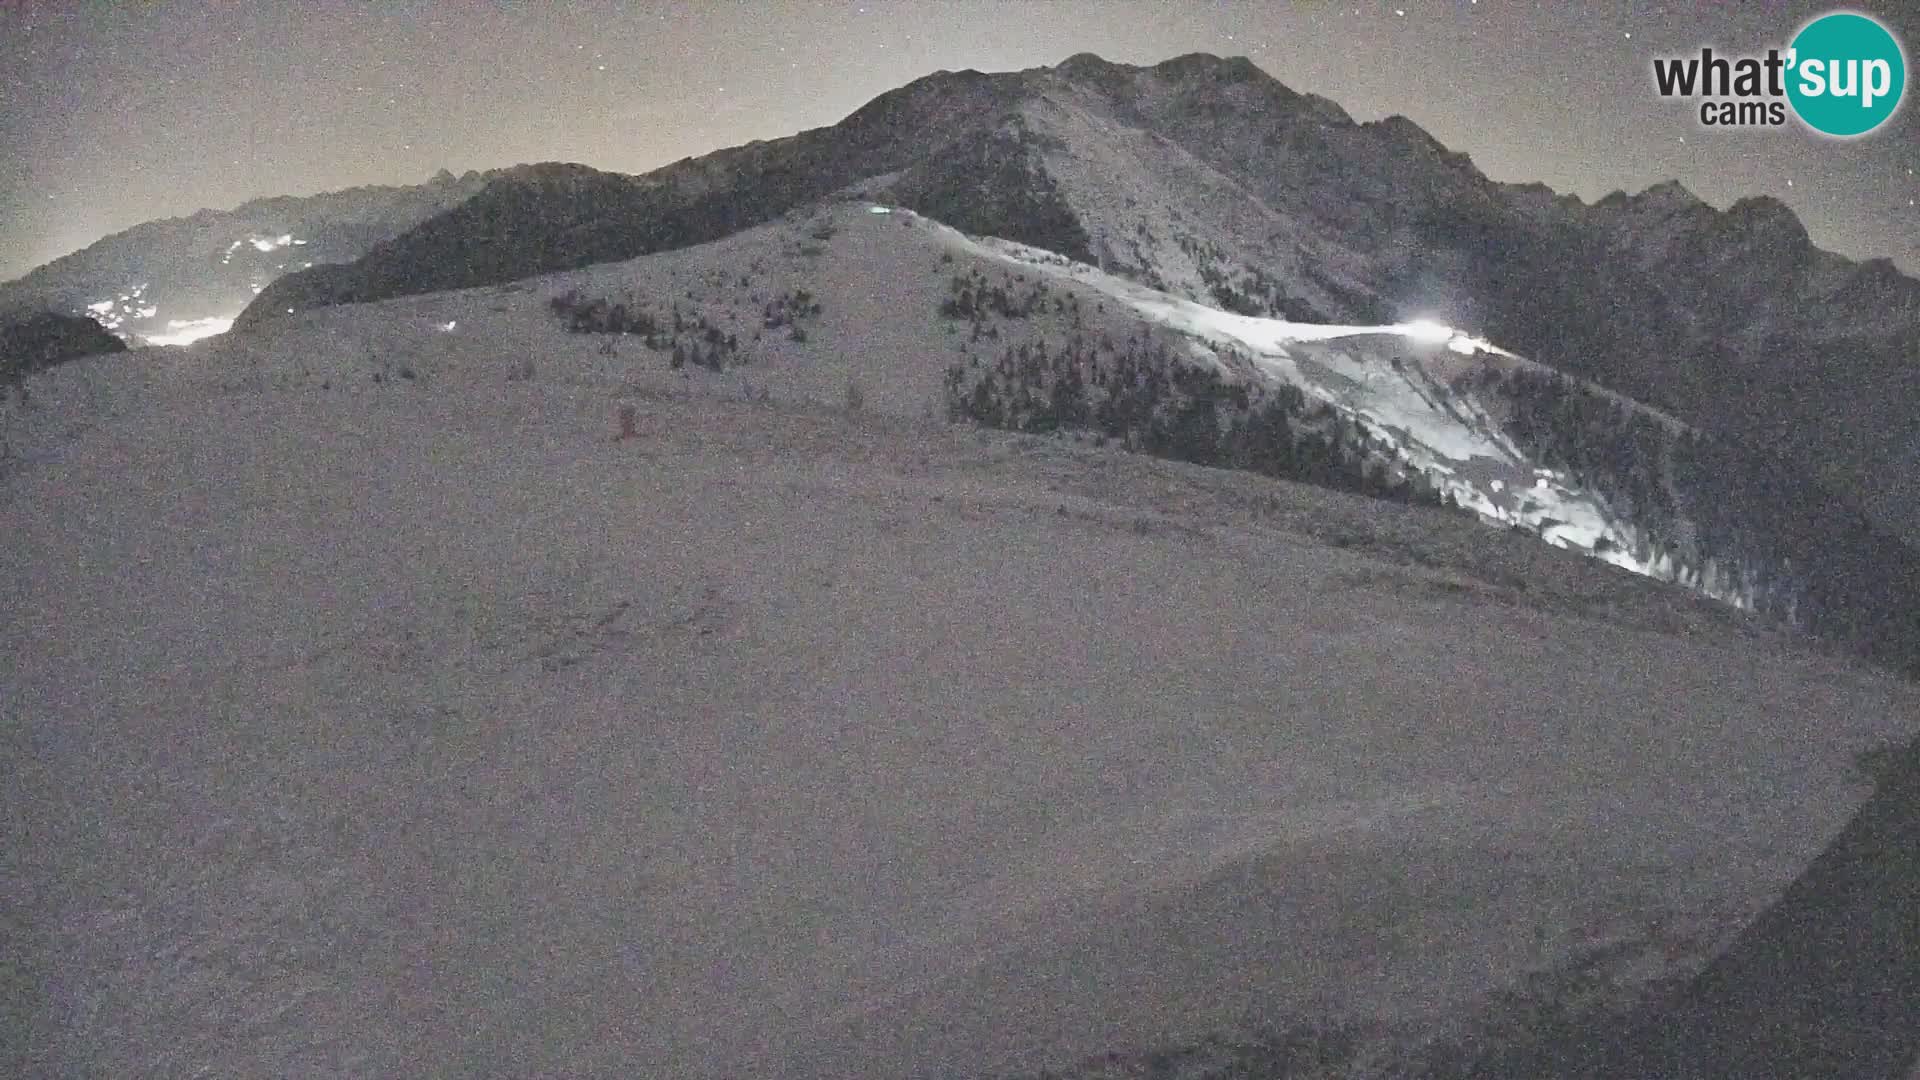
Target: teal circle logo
{"type": "Point", "coordinates": [1847, 74]}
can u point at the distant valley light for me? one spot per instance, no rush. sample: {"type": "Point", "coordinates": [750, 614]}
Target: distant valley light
{"type": "Point", "coordinates": [187, 331]}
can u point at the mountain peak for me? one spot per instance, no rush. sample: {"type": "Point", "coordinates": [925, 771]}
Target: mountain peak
{"type": "Point", "coordinates": [1083, 64]}
{"type": "Point", "coordinates": [1766, 215]}
{"type": "Point", "coordinates": [1404, 130]}
{"type": "Point", "coordinates": [1762, 208]}
{"type": "Point", "coordinates": [1670, 196]}
{"type": "Point", "coordinates": [1670, 193]}
{"type": "Point", "coordinates": [1089, 70]}
{"type": "Point", "coordinates": [1191, 67]}
{"type": "Point", "coordinates": [548, 170]}
{"type": "Point", "coordinates": [1212, 68]}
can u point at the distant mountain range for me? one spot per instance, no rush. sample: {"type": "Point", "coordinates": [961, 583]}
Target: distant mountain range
{"type": "Point", "coordinates": [187, 277]}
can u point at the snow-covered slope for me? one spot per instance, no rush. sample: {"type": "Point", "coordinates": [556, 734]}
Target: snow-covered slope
{"type": "Point", "coordinates": [881, 295]}
{"type": "Point", "coordinates": [1404, 380]}
{"type": "Point", "coordinates": [1473, 424]}
{"type": "Point", "coordinates": [371, 707]}
{"type": "Point", "coordinates": [1572, 462]}
{"type": "Point", "coordinates": [1426, 390]}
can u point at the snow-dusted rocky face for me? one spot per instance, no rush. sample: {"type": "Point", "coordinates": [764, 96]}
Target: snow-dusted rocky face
{"type": "Point", "coordinates": [113, 312]}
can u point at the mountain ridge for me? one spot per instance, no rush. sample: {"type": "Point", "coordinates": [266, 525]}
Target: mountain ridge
{"type": "Point", "coordinates": [1194, 75]}
{"type": "Point", "coordinates": [1213, 179]}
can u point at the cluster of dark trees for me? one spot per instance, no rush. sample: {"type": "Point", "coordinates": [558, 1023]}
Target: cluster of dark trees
{"type": "Point", "coordinates": [601, 316]}
{"type": "Point", "coordinates": [1603, 443]}
{"type": "Point", "coordinates": [1151, 399]}
{"type": "Point", "coordinates": [686, 340]}
{"type": "Point", "coordinates": [790, 309]}
{"type": "Point", "coordinates": [1699, 498]}
{"type": "Point", "coordinates": [707, 346]}
{"type": "Point", "coordinates": [1255, 293]}
{"type": "Point", "coordinates": [972, 297]}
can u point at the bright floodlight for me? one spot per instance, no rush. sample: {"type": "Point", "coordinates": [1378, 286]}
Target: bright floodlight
{"type": "Point", "coordinates": [1428, 331]}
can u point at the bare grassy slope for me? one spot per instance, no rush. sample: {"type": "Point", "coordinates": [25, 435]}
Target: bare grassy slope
{"type": "Point", "coordinates": [420, 727]}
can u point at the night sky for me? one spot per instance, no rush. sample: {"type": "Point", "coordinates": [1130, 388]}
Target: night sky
{"type": "Point", "coordinates": [116, 113]}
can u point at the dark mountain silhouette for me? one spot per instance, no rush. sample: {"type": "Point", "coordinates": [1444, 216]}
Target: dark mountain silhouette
{"type": "Point", "coordinates": [35, 341]}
